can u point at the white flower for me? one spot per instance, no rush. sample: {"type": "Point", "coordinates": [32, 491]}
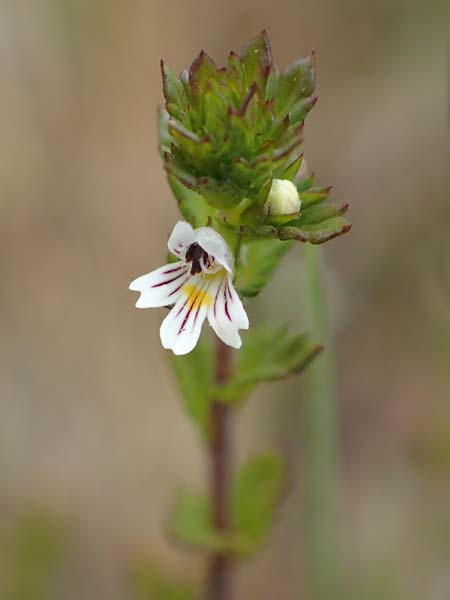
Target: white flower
{"type": "Point", "coordinates": [199, 286]}
{"type": "Point", "coordinates": [283, 198]}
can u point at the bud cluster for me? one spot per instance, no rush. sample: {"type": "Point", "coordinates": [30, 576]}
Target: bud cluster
{"type": "Point", "coordinates": [229, 134]}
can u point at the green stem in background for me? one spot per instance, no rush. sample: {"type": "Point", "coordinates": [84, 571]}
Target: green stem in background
{"type": "Point", "coordinates": [218, 583]}
{"type": "Point", "coordinates": [320, 465]}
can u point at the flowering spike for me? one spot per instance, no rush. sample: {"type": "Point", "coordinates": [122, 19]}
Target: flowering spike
{"type": "Point", "coordinates": [232, 131]}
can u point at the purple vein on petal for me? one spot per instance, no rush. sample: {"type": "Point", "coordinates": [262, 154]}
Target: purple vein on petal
{"type": "Point", "coordinates": [155, 285]}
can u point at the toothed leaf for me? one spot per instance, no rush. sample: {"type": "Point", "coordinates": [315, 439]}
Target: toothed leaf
{"type": "Point", "coordinates": [257, 61]}
{"type": "Point", "coordinates": [172, 87]}
{"type": "Point", "coordinates": [316, 233]}
{"type": "Point", "coordinates": [255, 497]}
{"type": "Point", "coordinates": [296, 82]}
{"type": "Point", "coordinates": [267, 354]}
{"type": "Point", "coordinates": [318, 214]}
{"type": "Point", "coordinates": [201, 71]}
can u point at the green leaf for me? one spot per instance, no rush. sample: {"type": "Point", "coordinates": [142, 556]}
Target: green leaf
{"type": "Point", "coordinates": [257, 61]}
{"type": "Point", "coordinates": [234, 80]}
{"type": "Point", "coordinates": [189, 143]}
{"type": "Point", "coordinates": [184, 138]}
{"type": "Point", "coordinates": [255, 496]}
{"type": "Point", "coordinates": [305, 184]}
{"type": "Point", "coordinates": [175, 170]}
{"type": "Point", "coordinates": [301, 109]}
{"type": "Point", "coordinates": [258, 261]}
{"type": "Point", "coordinates": [319, 213]}
{"type": "Point", "coordinates": [279, 220]}
{"type": "Point", "coordinates": [195, 375]}
{"type": "Point", "coordinates": [248, 113]}
{"type": "Point", "coordinates": [297, 81]}
{"type": "Point", "coordinates": [192, 525]}
{"type": "Point", "coordinates": [313, 195]}
{"type": "Point", "coordinates": [267, 354]}
{"type": "Point", "coordinates": [172, 87]}
{"type": "Point", "coordinates": [149, 584]}
{"type": "Point", "coordinates": [165, 141]}
{"type": "Point", "coordinates": [193, 207]}
{"type": "Point", "coordinates": [272, 84]}
{"type": "Point", "coordinates": [184, 78]}
{"type": "Point", "coordinates": [292, 169]}
{"type": "Point", "coordinates": [218, 195]}
{"type": "Point", "coordinates": [175, 111]}
{"type": "Point", "coordinates": [215, 111]}
{"type": "Point", "coordinates": [252, 233]}
{"type": "Point", "coordinates": [316, 233]}
{"type": "Point", "coordinates": [202, 69]}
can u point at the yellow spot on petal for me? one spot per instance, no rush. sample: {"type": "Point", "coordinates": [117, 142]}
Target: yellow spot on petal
{"type": "Point", "coordinates": [196, 298]}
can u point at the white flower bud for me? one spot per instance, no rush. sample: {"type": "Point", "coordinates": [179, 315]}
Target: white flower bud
{"type": "Point", "coordinates": [283, 198]}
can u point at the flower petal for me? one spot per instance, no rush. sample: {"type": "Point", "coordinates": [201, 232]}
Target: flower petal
{"type": "Point", "coordinates": [180, 239]}
{"type": "Point", "coordinates": [162, 286]}
{"type": "Point", "coordinates": [214, 244]}
{"type": "Point", "coordinates": [181, 328]}
{"type": "Point", "coordinates": [227, 314]}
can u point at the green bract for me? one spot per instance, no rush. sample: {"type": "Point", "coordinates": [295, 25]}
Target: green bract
{"type": "Point", "coordinates": [227, 133]}
{"type": "Point", "coordinates": [255, 496]}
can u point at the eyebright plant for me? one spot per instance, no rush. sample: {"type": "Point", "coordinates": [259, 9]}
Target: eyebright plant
{"type": "Point", "coordinates": [230, 140]}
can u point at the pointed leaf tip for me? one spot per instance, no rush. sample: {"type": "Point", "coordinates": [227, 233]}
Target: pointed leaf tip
{"type": "Point", "coordinates": [257, 60]}
{"type": "Point", "coordinates": [172, 87]}
{"type": "Point", "coordinates": [297, 82]}
{"type": "Point", "coordinates": [202, 69]}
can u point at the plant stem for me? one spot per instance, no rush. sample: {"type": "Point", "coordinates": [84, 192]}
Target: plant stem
{"type": "Point", "coordinates": [218, 584]}
{"type": "Point", "coordinates": [321, 443]}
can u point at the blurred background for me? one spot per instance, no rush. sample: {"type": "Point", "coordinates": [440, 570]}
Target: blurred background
{"type": "Point", "coordinates": [94, 442]}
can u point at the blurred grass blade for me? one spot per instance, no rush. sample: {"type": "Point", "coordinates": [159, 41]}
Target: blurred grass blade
{"type": "Point", "coordinates": [320, 430]}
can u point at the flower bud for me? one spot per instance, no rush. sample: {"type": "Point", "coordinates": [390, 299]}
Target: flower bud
{"type": "Point", "coordinates": [283, 198]}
